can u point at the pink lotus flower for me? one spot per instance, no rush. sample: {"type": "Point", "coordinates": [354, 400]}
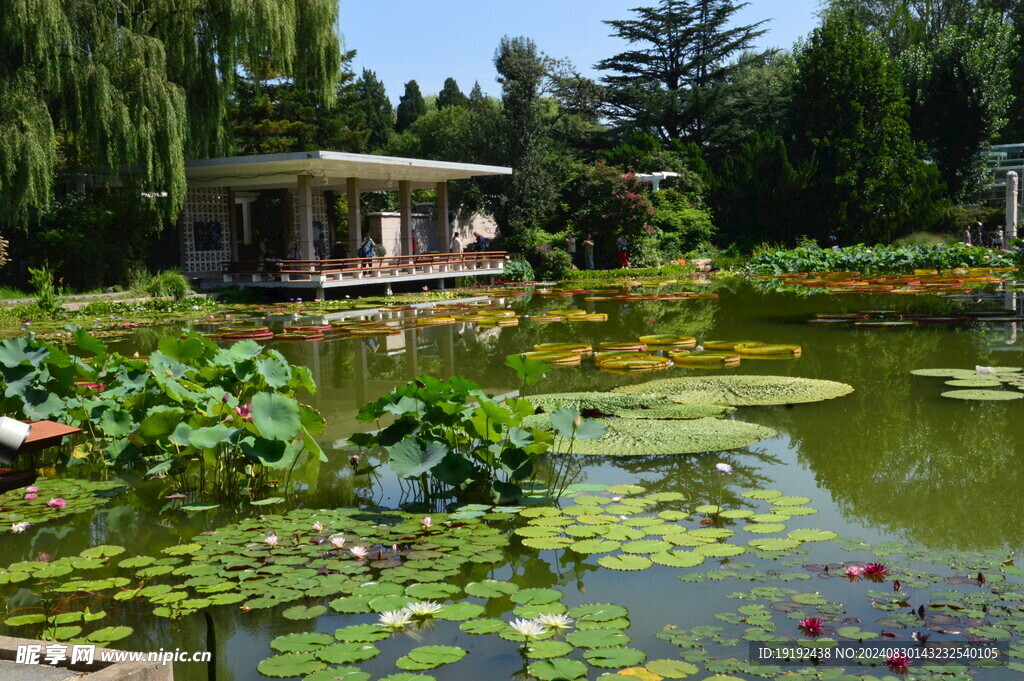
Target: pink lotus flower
{"type": "Point", "coordinates": [32, 489]}
{"type": "Point", "coordinates": [898, 663]}
{"type": "Point", "coordinates": [56, 503]}
{"type": "Point", "coordinates": [30, 496]}
{"type": "Point", "coordinates": [876, 570]}
{"type": "Point", "coordinates": [245, 411]}
{"type": "Point", "coordinates": [359, 552]}
{"type": "Point", "coordinates": [812, 626]}
{"type": "Point", "coordinates": [427, 521]}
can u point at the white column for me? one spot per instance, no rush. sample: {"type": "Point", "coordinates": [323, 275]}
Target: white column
{"type": "Point", "coordinates": [354, 228]}
{"type": "Point", "coordinates": [443, 228]}
{"type": "Point", "coordinates": [405, 213]}
{"type": "Point", "coordinates": [304, 207]}
{"type": "Point", "coordinates": [1010, 232]}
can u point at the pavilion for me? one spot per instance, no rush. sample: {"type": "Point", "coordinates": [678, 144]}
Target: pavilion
{"type": "Point", "coordinates": [235, 202]}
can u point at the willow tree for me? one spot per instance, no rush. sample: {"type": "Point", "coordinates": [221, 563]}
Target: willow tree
{"type": "Point", "coordinates": [137, 86]}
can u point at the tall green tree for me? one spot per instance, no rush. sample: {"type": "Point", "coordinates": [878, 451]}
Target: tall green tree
{"type": "Point", "coordinates": [451, 95]}
{"type": "Point", "coordinates": [679, 50]}
{"type": "Point", "coordinates": [410, 106]}
{"type": "Point", "coordinates": [274, 115]}
{"type": "Point", "coordinates": [378, 116]}
{"type": "Point", "coordinates": [960, 95]}
{"type": "Point", "coordinates": [849, 116]}
{"type": "Point", "coordinates": [140, 83]}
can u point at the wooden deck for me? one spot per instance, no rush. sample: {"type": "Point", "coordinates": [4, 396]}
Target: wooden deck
{"type": "Point", "coordinates": [324, 274]}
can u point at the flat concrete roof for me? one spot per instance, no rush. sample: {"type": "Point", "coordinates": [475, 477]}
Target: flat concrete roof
{"type": "Point", "coordinates": [330, 170]}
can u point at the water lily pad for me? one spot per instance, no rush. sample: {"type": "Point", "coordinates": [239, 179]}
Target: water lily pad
{"type": "Point", "coordinates": [289, 665]}
{"type": "Point", "coordinates": [945, 373]}
{"type": "Point", "coordinates": [301, 612]}
{"type": "Point", "coordinates": [774, 544]}
{"type": "Point", "coordinates": [557, 670]}
{"type": "Point", "coordinates": [598, 638]}
{"type": "Point", "coordinates": [430, 657]}
{"type": "Point", "coordinates": [671, 669]}
{"type": "Point", "coordinates": [812, 535]}
{"type": "Point", "coordinates": [610, 658]}
{"type": "Point", "coordinates": [539, 596]}
{"type": "Point", "coordinates": [680, 559]}
{"type": "Point", "coordinates": [595, 546]}
{"type": "Point", "coordinates": [491, 588]}
{"type": "Point", "coordinates": [342, 674]}
{"type": "Point", "coordinates": [635, 437]}
{"type": "Point", "coordinates": [789, 501]}
{"type": "Point", "coordinates": [720, 550]}
{"type": "Point", "coordinates": [302, 642]}
{"type": "Point", "coordinates": [983, 395]}
{"type": "Point", "coordinates": [598, 612]}
{"type": "Point", "coordinates": [483, 626]}
{"type": "Point", "coordinates": [547, 543]}
{"type": "Point", "coordinates": [646, 546]}
{"type": "Point", "coordinates": [361, 633]}
{"type": "Point", "coordinates": [347, 653]}
{"type": "Point", "coordinates": [546, 650]}
{"type": "Point", "coordinates": [457, 612]}
{"type": "Point", "coordinates": [974, 383]}
{"type": "Point", "coordinates": [764, 528]}
{"type": "Point", "coordinates": [741, 390]}
{"type": "Point", "coordinates": [625, 562]}
{"type": "Point", "coordinates": [762, 494]}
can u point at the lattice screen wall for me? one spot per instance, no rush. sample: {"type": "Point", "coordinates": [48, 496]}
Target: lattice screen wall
{"type": "Point", "coordinates": [206, 229]}
{"type": "Point", "coordinates": [319, 213]}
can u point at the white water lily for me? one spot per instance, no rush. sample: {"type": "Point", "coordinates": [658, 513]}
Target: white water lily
{"type": "Point", "coordinates": [553, 621]}
{"type": "Point", "coordinates": [337, 541]}
{"type": "Point", "coordinates": [985, 370]}
{"type": "Point", "coordinates": [271, 539]}
{"type": "Point", "coordinates": [359, 552]}
{"type": "Point", "coordinates": [318, 526]}
{"type": "Point", "coordinates": [18, 528]}
{"type": "Point", "coordinates": [529, 628]}
{"type": "Point", "coordinates": [395, 619]}
{"type": "Point", "coordinates": [424, 608]}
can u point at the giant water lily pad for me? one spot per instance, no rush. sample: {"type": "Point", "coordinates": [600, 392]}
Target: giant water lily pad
{"type": "Point", "coordinates": [983, 395]}
{"type": "Point", "coordinates": [628, 406]}
{"type": "Point", "coordinates": [741, 390]}
{"type": "Point", "coordinates": [636, 437]}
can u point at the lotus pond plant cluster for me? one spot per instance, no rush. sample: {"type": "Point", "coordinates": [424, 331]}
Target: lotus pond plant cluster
{"type": "Point", "coordinates": [214, 420]}
{"type": "Point", "coordinates": [878, 259]}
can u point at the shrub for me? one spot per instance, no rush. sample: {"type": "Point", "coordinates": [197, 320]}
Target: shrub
{"type": "Point", "coordinates": [46, 295]}
{"type": "Point", "coordinates": [551, 264]}
{"type": "Point", "coordinates": [518, 270]}
{"type": "Point", "coordinates": [165, 284]}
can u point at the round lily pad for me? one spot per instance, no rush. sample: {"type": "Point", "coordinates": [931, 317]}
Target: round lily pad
{"type": "Point", "coordinates": [598, 612]}
{"type": "Point", "coordinates": [557, 670]}
{"type": "Point", "coordinates": [680, 559]}
{"type": "Point", "coordinates": [812, 535]}
{"type": "Point", "coordinates": [636, 437]}
{"type": "Point", "coordinates": [610, 658]}
{"type": "Point", "coordinates": [974, 383]}
{"type": "Point", "coordinates": [671, 669]}
{"type": "Point", "coordinates": [741, 390]}
{"type": "Point", "coordinates": [289, 664]}
{"type": "Point", "coordinates": [430, 657]}
{"type": "Point", "coordinates": [719, 550]}
{"type": "Point", "coordinates": [483, 626]}
{"type": "Point", "coordinates": [774, 544]}
{"type": "Point", "coordinates": [598, 638]}
{"type": "Point", "coordinates": [625, 562]}
{"type": "Point", "coordinates": [538, 596]}
{"type": "Point", "coordinates": [983, 395]}
{"type": "Point", "coordinates": [545, 650]}
{"type": "Point", "coordinates": [789, 501]}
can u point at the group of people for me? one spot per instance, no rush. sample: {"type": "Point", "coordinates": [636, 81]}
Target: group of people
{"type": "Point", "coordinates": [456, 243]}
{"type": "Point", "coordinates": [588, 251]}
{"type": "Point", "coordinates": [977, 235]}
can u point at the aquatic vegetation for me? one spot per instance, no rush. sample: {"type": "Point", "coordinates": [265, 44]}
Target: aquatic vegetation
{"type": "Point", "coordinates": [852, 260]}
{"type": "Point", "coordinates": [451, 437]}
{"type": "Point", "coordinates": [980, 384]}
{"type": "Point", "coordinates": [630, 406]}
{"type": "Point", "coordinates": [63, 497]}
{"type": "Point", "coordinates": [741, 390]}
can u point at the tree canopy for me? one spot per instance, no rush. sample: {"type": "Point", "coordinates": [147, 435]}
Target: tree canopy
{"type": "Point", "coordinates": [140, 84]}
{"type": "Point", "coordinates": [410, 106]}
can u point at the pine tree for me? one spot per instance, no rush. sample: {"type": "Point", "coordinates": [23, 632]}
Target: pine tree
{"type": "Point", "coordinates": [451, 95]}
{"type": "Point", "coordinates": [378, 117]}
{"type": "Point", "coordinates": [679, 50]}
{"type": "Point", "coordinates": [410, 106]}
{"type": "Point", "coordinates": [142, 84]}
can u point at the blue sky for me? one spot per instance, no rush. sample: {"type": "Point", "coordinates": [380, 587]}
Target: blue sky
{"type": "Point", "coordinates": [430, 40]}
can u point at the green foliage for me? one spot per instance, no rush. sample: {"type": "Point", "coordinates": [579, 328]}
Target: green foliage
{"type": "Point", "coordinates": [451, 436]}
{"type": "Point", "coordinates": [517, 270]}
{"type": "Point", "coordinates": [378, 116]}
{"type": "Point", "coordinates": [166, 284]}
{"type": "Point", "coordinates": [410, 106]}
{"type": "Point", "coordinates": [152, 91]}
{"type": "Point", "coordinates": [849, 119]}
{"type": "Point", "coordinates": [451, 95]}
{"type": "Point", "coordinates": [550, 264]}
{"type": "Point", "coordinates": [877, 260]}
{"type": "Point", "coordinates": [46, 295]}
{"type": "Point", "coordinates": [677, 52]}
{"type": "Point", "coordinates": [681, 222]}
{"type": "Point", "coordinates": [959, 91]}
{"type": "Point", "coordinates": [216, 420]}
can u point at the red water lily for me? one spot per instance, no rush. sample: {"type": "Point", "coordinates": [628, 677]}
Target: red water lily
{"type": "Point", "coordinates": [812, 626]}
{"type": "Point", "coordinates": [898, 663]}
{"type": "Point", "coordinates": [875, 570]}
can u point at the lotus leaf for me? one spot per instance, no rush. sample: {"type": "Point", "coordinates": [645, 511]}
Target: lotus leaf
{"type": "Point", "coordinates": [626, 563]}
{"type": "Point", "coordinates": [680, 559]}
{"type": "Point", "coordinates": [741, 390]}
{"type": "Point", "coordinates": [614, 657]}
{"type": "Point", "coordinates": [636, 437]}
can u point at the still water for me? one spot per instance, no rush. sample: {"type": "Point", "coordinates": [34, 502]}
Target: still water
{"type": "Point", "coordinates": [892, 462]}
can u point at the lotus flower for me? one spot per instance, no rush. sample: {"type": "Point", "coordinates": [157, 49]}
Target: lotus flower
{"type": "Point", "coordinates": [245, 411]}
{"type": "Point", "coordinates": [30, 496]}
{"type": "Point", "coordinates": [424, 608]}
{"type": "Point", "coordinates": [56, 503]}
{"type": "Point", "coordinates": [32, 490]}
{"type": "Point", "coordinates": [812, 626]}
{"type": "Point", "coordinates": [898, 663]}
{"type": "Point", "coordinates": [427, 521]}
{"type": "Point", "coordinates": [271, 539]}
{"type": "Point", "coordinates": [359, 552]}
{"type": "Point", "coordinates": [555, 621]}
{"type": "Point", "coordinates": [18, 528]}
{"type": "Point", "coordinates": [396, 619]}
{"type": "Point", "coordinates": [876, 570]}
{"type": "Point", "coordinates": [318, 526]}
{"type": "Point", "coordinates": [528, 628]}
{"type": "Point", "coordinates": [723, 468]}
{"type": "Point", "coordinates": [337, 541]}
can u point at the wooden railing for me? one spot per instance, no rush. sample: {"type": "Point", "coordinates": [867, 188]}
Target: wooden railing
{"type": "Point", "coordinates": [377, 267]}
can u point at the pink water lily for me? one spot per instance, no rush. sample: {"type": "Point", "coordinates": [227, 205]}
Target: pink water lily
{"type": "Point", "coordinates": [854, 571]}
{"type": "Point", "coordinates": [427, 521]}
{"type": "Point", "coordinates": [271, 539]}
{"type": "Point", "coordinates": [30, 496]}
{"type": "Point", "coordinates": [32, 490]}
{"type": "Point", "coordinates": [56, 503]}
{"type": "Point", "coordinates": [812, 626]}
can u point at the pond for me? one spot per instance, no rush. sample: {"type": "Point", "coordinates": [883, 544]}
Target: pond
{"type": "Point", "coordinates": [926, 485]}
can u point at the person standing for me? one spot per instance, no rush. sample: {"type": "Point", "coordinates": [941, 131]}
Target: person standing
{"type": "Point", "coordinates": [997, 238]}
{"type": "Point", "coordinates": [622, 246]}
{"type": "Point", "coordinates": [481, 242]}
{"type": "Point", "coordinates": [295, 252]}
{"type": "Point", "coordinates": [456, 245]}
{"type": "Point", "coordinates": [366, 250]}
{"type": "Point", "coordinates": [570, 245]}
{"type": "Point", "coordinates": [588, 252]}
{"type": "Point", "coordinates": [966, 238]}
{"type": "Point", "coordinates": [980, 240]}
